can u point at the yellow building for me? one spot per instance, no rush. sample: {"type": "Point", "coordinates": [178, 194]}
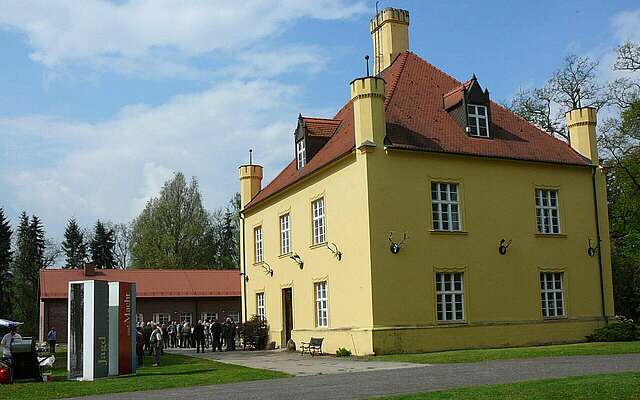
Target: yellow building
{"type": "Point", "coordinates": [425, 217]}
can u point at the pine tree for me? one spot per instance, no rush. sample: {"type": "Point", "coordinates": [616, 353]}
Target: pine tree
{"type": "Point", "coordinates": [102, 247]}
{"type": "Point", "coordinates": [74, 246]}
{"type": "Point", "coordinates": [28, 262]}
{"type": "Point", "coordinates": [6, 278]}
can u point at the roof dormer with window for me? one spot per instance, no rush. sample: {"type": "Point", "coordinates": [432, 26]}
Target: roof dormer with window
{"type": "Point", "coordinates": [310, 135]}
{"type": "Point", "coordinates": [470, 107]}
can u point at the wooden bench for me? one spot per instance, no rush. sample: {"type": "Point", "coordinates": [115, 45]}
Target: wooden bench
{"type": "Point", "coordinates": [312, 347]}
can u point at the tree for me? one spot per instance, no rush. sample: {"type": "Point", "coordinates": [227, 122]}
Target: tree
{"type": "Point", "coordinates": [171, 230]}
{"type": "Point", "coordinates": [574, 85]}
{"type": "Point", "coordinates": [122, 248]}
{"type": "Point", "coordinates": [74, 246]}
{"type": "Point", "coordinates": [102, 247]}
{"type": "Point", "coordinates": [29, 260]}
{"type": "Point", "coordinates": [6, 257]}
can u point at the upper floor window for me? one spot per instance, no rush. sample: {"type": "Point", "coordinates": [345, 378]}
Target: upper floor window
{"type": "Point", "coordinates": [260, 305]}
{"type": "Point", "coordinates": [285, 234]}
{"type": "Point", "coordinates": [258, 240]}
{"type": "Point", "coordinates": [449, 296]}
{"type": "Point", "coordinates": [301, 156]}
{"type": "Point", "coordinates": [547, 211]}
{"type": "Point", "coordinates": [551, 290]}
{"type": "Point", "coordinates": [478, 120]}
{"type": "Point", "coordinates": [445, 206]}
{"type": "Point", "coordinates": [319, 235]}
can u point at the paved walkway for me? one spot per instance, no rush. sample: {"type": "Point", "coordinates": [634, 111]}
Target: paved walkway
{"type": "Point", "coordinates": [364, 385]}
{"type": "Point", "coordinates": [294, 363]}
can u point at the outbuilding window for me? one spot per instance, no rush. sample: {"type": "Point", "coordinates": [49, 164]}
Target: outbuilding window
{"type": "Point", "coordinates": [478, 120]}
{"type": "Point", "coordinates": [161, 318]}
{"type": "Point", "coordinates": [449, 296]}
{"type": "Point", "coordinates": [186, 317]}
{"type": "Point", "coordinates": [208, 316]}
{"type": "Point", "coordinates": [552, 294]}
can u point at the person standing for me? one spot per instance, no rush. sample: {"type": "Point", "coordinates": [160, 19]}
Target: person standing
{"type": "Point", "coordinates": [216, 330]}
{"type": "Point", "coordinates": [179, 334]}
{"type": "Point", "coordinates": [52, 338]}
{"type": "Point", "coordinates": [6, 343]}
{"type": "Point", "coordinates": [186, 334]}
{"type": "Point", "coordinates": [156, 343]}
{"type": "Point", "coordinates": [140, 346]}
{"type": "Point", "coordinates": [198, 335]}
{"type": "Point", "coordinates": [146, 331]}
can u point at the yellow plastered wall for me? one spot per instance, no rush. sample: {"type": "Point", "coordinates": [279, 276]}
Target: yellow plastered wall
{"type": "Point", "coordinates": [390, 36]}
{"type": "Point", "coordinates": [581, 124]}
{"type": "Point", "coordinates": [343, 187]}
{"type": "Point", "coordinates": [497, 201]}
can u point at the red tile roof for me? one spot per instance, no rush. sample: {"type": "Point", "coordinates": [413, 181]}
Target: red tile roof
{"type": "Point", "coordinates": [149, 282]}
{"type": "Point", "coordinates": [321, 126]}
{"type": "Point", "coordinates": [416, 120]}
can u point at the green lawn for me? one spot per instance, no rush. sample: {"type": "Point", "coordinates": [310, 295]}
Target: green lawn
{"type": "Point", "coordinates": [592, 387]}
{"type": "Point", "coordinates": [464, 356]}
{"type": "Point", "coordinates": [175, 371]}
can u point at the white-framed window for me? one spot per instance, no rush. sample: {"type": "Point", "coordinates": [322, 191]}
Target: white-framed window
{"type": "Point", "coordinates": [547, 211]}
{"type": "Point", "coordinates": [139, 318]}
{"type": "Point", "coordinates": [478, 120]}
{"type": "Point", "coordinates": [186, 317]}
{"type": "Point", "coordinates": [319, 233]}
{"type": "Point", "coordinates": [322, 306]}
{"type": "Point", "coordinates": [285, 234]}
{"type": "Point", "coordinates": [551, 293]}
{"type": "Point", "coordinates": [445, 206]}
{"type": "Point", "coordinates": [259, 255]}
{"type": "Point", "coordinates": [449, 296]}
{"type": "Point", "coordinates": [161, 318]}
{"type": "Point", "coordinates": [301, 154]}
{"type": "Point", "coordinates": [260, 305]}
{"type": "Point", "coordinates": [234, 315]}
{"type": "Point", "coordinates": [208, 316]}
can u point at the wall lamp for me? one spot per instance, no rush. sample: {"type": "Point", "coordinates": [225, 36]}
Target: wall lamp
{"type": "Point", "coordinates": [503, 246]}
{"type": "Point", "coordinates": [267, 268]}
{"type": "Point", "coordinates": [334, 249]}
{"type": "Point", "coordinates": [396, 246]}
{"type": "Point", "coordinates": [295, 257]}
{"type": "Point", "coordinates": [246, 277]}
{"type": "Point", "coordinates": [592, 250]}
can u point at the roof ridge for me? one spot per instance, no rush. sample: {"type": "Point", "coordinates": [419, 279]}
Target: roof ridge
{"type": "Point", "coordinates": [394, 84]}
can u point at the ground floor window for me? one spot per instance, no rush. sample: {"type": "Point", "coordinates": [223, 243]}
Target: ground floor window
{"type": "Point", "coordinates": [208, 316]}
{"type": "Point", "coordinates": [140, 318]}
{"type": "Point", "coordinates": [552, 296]}
{"type": "Point", "coordinates": [235, 316]}
{"type": "Point", "coordinates": [260, 305]}
{"type": "Point", "coordinates": [186, 317]}
{"type": "Point", "coordinates": [449, 296]}
{"type": "Point", "coordinates": [322, 299]}
{"type": "Point", "coordinates": [161, 318]}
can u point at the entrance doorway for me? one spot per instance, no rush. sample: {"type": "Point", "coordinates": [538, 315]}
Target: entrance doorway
{"type": "Point", "coordinates": [287, 314]}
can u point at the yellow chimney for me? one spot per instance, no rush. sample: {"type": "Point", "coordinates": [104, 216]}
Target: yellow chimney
{"type": "Point", "coordinates": [390, 35]}
{"type": "Point", "coordinates": [581, 123]}
{"type": "Point", "coordinates": [250, 182]}
{"type": "Point", "coordinates": [367, 95]}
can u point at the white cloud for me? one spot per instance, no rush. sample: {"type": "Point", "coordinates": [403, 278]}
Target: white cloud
{"type": "Point", "coordinates": [155, 36]}
{"type": "Point", "coordinates": [110, 169]}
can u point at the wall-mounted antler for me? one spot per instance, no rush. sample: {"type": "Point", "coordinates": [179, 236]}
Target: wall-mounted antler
{"type": "Point", "coordinates": [395, 246]}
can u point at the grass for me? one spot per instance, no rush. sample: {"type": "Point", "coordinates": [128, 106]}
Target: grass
{"type": "Point", "coordinates": [592, 387]}
{"type": "Point", "coordinates": [175, 371]}
{"type": "Point", "coordinates": [467, 356]}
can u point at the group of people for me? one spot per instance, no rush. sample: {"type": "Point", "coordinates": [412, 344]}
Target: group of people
{"type": "Point", "coordinates": [154, 338]}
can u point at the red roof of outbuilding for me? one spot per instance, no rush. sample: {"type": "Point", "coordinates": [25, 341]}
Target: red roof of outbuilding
{"type": "Point", "coordinates": [416, 120]}
{"type": "Point", "coordinates": [149, 282]}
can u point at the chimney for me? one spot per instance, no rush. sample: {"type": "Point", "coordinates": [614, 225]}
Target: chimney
{"type": "Point", "coordinates": [250, 182]}
{"type": "Point", "coordinates": [89, 269]}
{"type": "Point", "coordinates": [581, 123]}
{"type": "Point", "coordinates": [390, 35]}
{"type": "Point", "coordinates": [367, 95]}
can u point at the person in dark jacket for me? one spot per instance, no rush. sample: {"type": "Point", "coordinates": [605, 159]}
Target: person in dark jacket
{"type": "Point", "coordinates": [146, 331]}
{"type": "Point", "coordinates": [140, 346]}
{"type": "Point", "coordinates": [216, 331]}
{"type": "Point", "coordinates": [198, 336]}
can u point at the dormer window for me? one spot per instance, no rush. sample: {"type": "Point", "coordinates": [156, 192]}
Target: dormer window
{"type": "Point", "coordinates": [478, 120]}
{"type": "Point", "coordinates": [301, 156]}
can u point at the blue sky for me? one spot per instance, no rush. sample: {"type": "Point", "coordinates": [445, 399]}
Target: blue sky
{"type": "Point", "coordinates": [101, 101]}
